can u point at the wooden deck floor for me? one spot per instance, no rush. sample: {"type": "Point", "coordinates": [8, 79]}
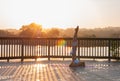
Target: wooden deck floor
{"type": "Point", "coordinates": [59, 71]}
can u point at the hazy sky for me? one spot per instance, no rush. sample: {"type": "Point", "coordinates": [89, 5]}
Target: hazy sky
{"type": "Point", "coordinates": [59, 13]}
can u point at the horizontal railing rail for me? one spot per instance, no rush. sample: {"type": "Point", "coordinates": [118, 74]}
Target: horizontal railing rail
{"type": "Point", "coordinates": [23, 48]}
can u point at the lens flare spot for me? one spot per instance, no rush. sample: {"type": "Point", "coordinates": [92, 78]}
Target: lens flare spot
{"type": "Point", "coordinates": [61, 42]}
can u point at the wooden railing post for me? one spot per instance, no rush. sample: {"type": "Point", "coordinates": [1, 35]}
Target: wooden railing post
{"type": "Point", "coordinates": [22, 52]}
{"type": "Point", "coordinates": [8, 59]}
{"type": "Point", "coordinates": [78, 50]}
{"type": "Point", "coordinates": [49, 50]}
{"type": "Point", "coordinates": [109, 58]}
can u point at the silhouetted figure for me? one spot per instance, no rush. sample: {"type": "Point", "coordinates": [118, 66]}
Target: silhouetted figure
{"type": "Point", "coordinates": [75, 61]}
{"type": "Point", "coordinates": [74, 44]}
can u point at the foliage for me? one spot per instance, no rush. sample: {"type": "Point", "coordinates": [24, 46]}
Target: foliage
{"type": "Point", "coordinates": [54, 32]}
{"type": "Point", "coordinates": [4, 33]}
{"type": "Point", "coordinates": [31, 30]}
{"type": "Point", "coordinates": [36, 30]}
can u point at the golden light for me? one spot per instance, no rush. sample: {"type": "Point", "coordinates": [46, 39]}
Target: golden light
{"type": "Point", "coordinates": [59, 13]}
{"type": "Point", "coordinates": [50, 13]}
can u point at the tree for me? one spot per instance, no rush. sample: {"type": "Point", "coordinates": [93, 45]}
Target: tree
{"type": "Point", "coordinates": [31, 30]}
{"type": "Point", "coordinates": [4, 33]}
{"type": "Point", "coordinates": [54, 32]}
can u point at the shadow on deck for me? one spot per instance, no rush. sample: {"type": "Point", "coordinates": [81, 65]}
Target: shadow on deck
{"type": "Point", "coordinates": [59, 71]}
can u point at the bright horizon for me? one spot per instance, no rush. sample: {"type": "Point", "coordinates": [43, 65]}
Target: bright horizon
{"type": "Point", "coordinates": [59, 13]}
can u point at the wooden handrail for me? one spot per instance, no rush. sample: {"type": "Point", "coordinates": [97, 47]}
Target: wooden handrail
{"type": "Point", "coordinates": [23, 48]}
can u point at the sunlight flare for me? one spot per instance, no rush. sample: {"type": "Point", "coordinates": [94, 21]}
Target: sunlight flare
{"type": "Point", "coordinates": [61, 42]}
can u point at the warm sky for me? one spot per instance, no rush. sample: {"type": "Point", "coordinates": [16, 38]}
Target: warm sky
{"type": "Point", "coordinates": [59, 13]}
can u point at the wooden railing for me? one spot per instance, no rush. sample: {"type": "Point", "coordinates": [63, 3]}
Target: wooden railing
{"type": "Point", "coordinates": [23, 48]}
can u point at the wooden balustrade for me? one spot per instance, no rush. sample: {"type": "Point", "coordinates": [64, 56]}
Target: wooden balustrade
{"type": "Point", "coordinates": [23, 48]}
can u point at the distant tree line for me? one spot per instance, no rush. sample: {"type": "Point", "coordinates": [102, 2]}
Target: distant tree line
{"type": "Point", "coordinates": [36, 30]}
{"type": "Point", "coordinates": [5, 33]}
